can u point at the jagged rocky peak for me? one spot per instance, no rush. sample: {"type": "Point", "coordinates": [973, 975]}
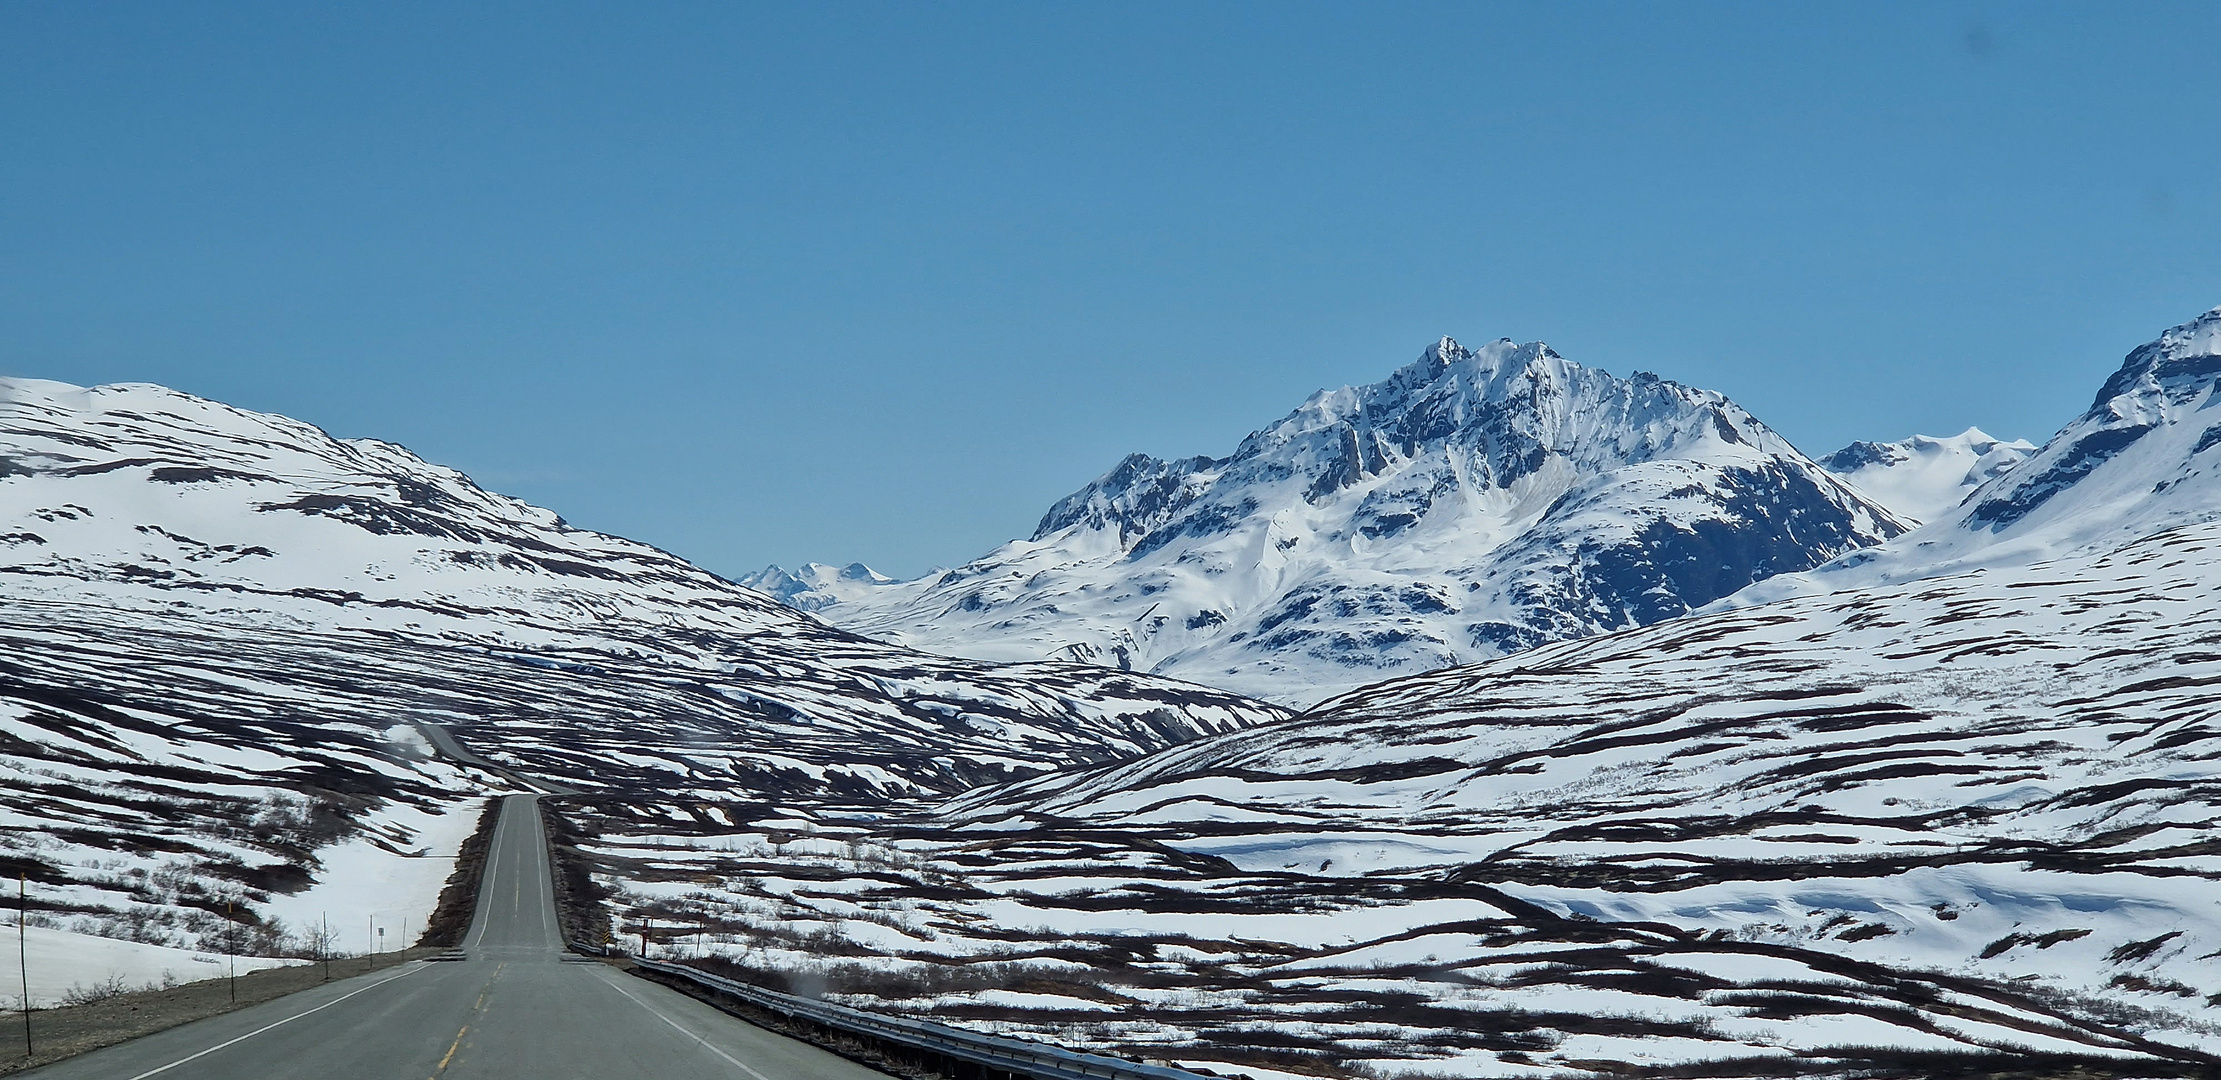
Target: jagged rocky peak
{"type": "Point", "coordinates": [2176, 369]}
{"type": "Point", "coordinates": [1475, 501]}
{"type": "Point", "coordinates": [1494, 416]}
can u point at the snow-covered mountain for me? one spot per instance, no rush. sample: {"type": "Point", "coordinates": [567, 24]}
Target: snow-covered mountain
{"type": "Point", "coordinates": [230, 644]}
{"type": "Point", "coordinates": [816, 586]}
{"type": "Point", "coordinates": [1474, 503]}
{"type": "Point", "coordinates": [1920, 478]}
{"type": "Point", "coordinates": [2144, 458]}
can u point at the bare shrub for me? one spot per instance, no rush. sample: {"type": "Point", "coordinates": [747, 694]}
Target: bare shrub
{"type": "Point", "coordinates": [112, 986]}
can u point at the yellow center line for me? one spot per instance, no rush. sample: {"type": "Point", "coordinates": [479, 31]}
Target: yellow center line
{"type": "Point", "coordinates": [474, 1011]}
{"type": "Point", "coordinates": [451, 1047]}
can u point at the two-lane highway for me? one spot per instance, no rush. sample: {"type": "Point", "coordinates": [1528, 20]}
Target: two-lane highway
{"type": "Point", "coordinates": [514, 1008]}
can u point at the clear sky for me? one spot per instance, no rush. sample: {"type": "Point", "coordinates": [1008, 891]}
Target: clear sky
{"type": "Point", "coordinates": [781, 282]}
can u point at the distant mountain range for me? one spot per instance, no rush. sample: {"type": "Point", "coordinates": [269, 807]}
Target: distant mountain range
{"type": "Point", "coordinates": [1475, 503]}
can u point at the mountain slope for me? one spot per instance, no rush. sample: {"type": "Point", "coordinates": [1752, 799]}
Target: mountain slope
{"type": "Point", "coordinates": [229, 643]}
{"type": "Point", "coordinates": [1475, 503]}
{"type": "Point", "coordinates": [1920, 478]}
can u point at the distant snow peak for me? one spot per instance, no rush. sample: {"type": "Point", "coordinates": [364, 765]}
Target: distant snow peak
{"type": "Point", "coordinates": [815, 586]}
{"type": "Point", "coordinates": [1475, 502]}
{"type": "Point", "coordinates": [1923, 476]}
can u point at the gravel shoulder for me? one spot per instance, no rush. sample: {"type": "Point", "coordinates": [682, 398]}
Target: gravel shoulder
{"type": "Point", "coordinates": [72, 1030]}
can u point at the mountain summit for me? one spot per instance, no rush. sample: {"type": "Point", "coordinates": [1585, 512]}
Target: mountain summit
{"type": "Point", "coordinates": [1474, 503]}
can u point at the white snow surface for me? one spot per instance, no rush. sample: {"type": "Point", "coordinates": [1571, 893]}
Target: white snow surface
{"type": "Point", "coordinates": [1920, 478]}
{"type": "Point", "coordinates": [1476, 502]}
{"type": "Point", "coordinates": [181, 511]}
{"type": "Point", "coordinates": [816, 586]}
{"type": "Point", "coordinates": [367, 882]}
{"type": "Point", "coordinates": [59, 961]}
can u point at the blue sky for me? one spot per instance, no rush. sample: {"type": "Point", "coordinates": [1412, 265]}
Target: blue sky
{"type": "Point", "coordinates": [774, 283]}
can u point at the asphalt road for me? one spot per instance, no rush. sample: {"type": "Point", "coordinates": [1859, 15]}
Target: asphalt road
{"type": "Point", "coordinates": [515, 1008]}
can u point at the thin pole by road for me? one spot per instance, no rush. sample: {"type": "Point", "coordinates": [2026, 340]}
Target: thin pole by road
{"type": "Point", "coordinates": [23, 952]}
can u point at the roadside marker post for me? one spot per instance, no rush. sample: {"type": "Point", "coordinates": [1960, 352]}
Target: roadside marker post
{"type": "Point", "coordinates": [23, 953]}
{"type": "Point", "coordinates": [234, 942]}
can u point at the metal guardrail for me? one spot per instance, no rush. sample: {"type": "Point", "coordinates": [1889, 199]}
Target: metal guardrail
{"type": "Point", "coordinates": [1009, 1055]}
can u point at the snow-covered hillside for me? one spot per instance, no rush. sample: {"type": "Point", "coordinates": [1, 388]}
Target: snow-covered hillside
{"type": "Point", "coordinates": [1920, 478]}
{"type": "Point", "coordinates": [225, 639]}
{"type": "Point", "coordinates": [1878, 833]}
{"type": "Point", "coordinates": [145, 499]}
{"type": "Point", "coordinates": [1474, 503]}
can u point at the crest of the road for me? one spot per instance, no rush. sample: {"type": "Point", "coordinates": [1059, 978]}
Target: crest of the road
{"type": "Point", "coordinates": [514, 1007]}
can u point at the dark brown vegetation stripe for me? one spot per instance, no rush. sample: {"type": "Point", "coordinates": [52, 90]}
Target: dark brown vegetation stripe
{"type": "Point", "coordinates": [579, 899]}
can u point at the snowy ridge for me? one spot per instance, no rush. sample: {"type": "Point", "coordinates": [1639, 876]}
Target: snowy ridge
{"type": "Point", "coordinates": [188, 511]}
{"type": "Point", "coordinates": [1921, 478]}
{"type": "Point", "coordinates": [1474, 503]}
{"type": "Point", "coordinates": [2141, 460]}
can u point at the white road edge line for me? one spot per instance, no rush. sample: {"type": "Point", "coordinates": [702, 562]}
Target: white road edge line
{"type": "Point", "coordinates": [287, 1020]}
{"type": "Point", "coordinates": [737, 1063]}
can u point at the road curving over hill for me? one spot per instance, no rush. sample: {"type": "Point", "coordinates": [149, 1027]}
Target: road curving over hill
{"type": "Point", "coordinates": [516, 1005]}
